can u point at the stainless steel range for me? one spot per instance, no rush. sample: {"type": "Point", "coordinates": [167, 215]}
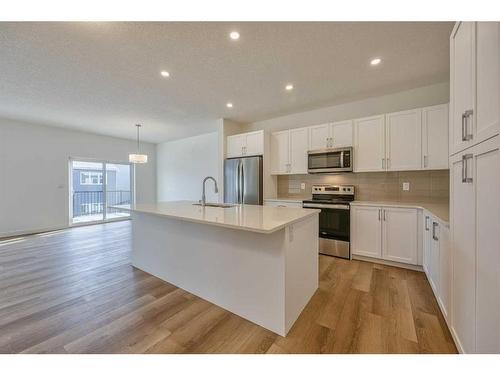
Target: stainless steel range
{"type": "Point", "coordinates": [334, 219]}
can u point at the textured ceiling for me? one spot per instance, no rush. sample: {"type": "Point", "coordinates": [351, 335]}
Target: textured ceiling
{"type": "Point", "coordinates": [104, 77]}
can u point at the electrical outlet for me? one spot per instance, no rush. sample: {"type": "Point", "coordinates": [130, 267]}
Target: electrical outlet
{"type": "Point", "coordinates": [302, 186]}
{"type": "Point", "coordinates": [406, 186]}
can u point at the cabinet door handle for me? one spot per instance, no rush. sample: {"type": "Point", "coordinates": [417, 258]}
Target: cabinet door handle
{"type": "Point", "coordinates": [385, 219]}
{"type": "Point", "coordinates": [465, 122]}
{"type": "Point", "coordinates": [434, 225]}
{"type": "Point", "coordinates": [425, 161]}
{"type": "Point", "coordinates": [379, 214]}
{"type": "Point", "coordinates": [426, 223]}
{"type": "Point", "coordinates": [465, 169]}
{"type": "Point", "coordinates": [383, 163]}
{"type": "Point", "coordinates": [388, 163]}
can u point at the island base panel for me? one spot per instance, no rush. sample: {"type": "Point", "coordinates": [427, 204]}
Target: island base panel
{"type": "Point", "coordinates": [265, 278]}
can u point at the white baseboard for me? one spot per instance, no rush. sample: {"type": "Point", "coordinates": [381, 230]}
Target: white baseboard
{"type": "Point", "coordinates": [388, 263]}
{"type": "Point", "coordinates": [31, 231]}
{"type": "Point", "coordinates": [51, 229]}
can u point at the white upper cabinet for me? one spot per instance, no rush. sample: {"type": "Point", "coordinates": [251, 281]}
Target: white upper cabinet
{"type": "Point", "coordinates": [235, 145]}
{"type": "Point", "coordinates": [333, 135]}
{"type": "Point", "coordinates": [289, 151]}
{"type": "Point", "coordinates": [462, 46]}
{"type": "Point", "coordinates": [369, 144]}
{"type": "Point", "coordinates": [299, 142]}
{"type": "Point", "coordinates": [280, 152]}
{"type": "Point", "coordinates": [245, 144]}
{"type": "Point", "coordinates": [319, 137]}
{"type": "Point", "coordinates": [399, 234]}
{"type": "Point", "coordinates": [403, 140]}
{"type": "Point", "coordinates": [435, 137]}
{"type": "Point", "coordinates": [254, 143]}
{"type": "Point", "coordinates": [487, 80]}
{"type": "Point", "coordinates": [341, 134]}
{"type": "Point", "coordinates": [475, 83]}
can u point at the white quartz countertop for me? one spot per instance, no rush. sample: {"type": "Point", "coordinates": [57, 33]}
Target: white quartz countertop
{"type": "Point", "coordinates": [261, 219]}
{"type": "Point", "coordinates": [439, 210]}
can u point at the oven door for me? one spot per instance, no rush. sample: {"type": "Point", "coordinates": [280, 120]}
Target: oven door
{"type": "Point", "coordinates": [334, 229]}
{"type": "Point", "coordinates": [327, 161]}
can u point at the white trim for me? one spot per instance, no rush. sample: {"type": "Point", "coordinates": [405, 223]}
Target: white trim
{"type": "Point", "coordinates": [31, 232]}
{"type": "Point", "coordinates": [387, 262]}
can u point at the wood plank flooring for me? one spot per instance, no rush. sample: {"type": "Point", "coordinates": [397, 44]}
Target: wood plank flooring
{"type": "Point", "coordinates": [75, 291]}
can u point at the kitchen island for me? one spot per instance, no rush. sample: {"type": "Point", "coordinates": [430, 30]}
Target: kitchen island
{"type": "Point", "coordinates": [258, 262]}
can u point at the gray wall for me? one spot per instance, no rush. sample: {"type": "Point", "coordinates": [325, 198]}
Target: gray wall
{"type": "Point", "coordinates": [34, 172]}
{"type": "Point", "coordinates": [414, 98]}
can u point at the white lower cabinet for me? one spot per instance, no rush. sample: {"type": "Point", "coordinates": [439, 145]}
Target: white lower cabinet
{"type": "Point", "coordinates": [437, 261]}
{"type": "Point", "coordinates": [399, 234]}
{"type": "Point", "coordinates": [366, 231]}
{"type": "Point", "coordinates": [388, 233]}
{"type": "Point", "coordinates": [475, 238]}
{"type": "Point", "coordinates": [444, 270]}
{"type": "Point", "coordinates": [426, 243]}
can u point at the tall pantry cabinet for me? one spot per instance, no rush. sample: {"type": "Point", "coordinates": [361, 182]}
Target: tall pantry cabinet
{"type": "Point", "coordinates": [475, 185]}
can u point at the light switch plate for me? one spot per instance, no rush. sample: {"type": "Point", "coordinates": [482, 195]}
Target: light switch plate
{"type": "Point", "coordinates": [302, 186]}
{"type": "Point", "coordinates": [406, 186]}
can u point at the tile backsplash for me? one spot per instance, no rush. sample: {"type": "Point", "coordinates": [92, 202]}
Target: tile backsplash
{"type": "Point", "coordinates": [425, 186]}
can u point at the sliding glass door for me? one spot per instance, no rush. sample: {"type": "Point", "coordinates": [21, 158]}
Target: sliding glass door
{"type": "Point", "coordinates": [97, 185]}
{"type": "Point", "coordinates": [118, 191]}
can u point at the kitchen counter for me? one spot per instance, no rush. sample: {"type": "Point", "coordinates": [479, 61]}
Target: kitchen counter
{"type": "Point", "coordinates": [260, 219]}
{"type": "Point", "coordinates": [258, 262]}
{"type": "Point", "coordinates": [439, 210]}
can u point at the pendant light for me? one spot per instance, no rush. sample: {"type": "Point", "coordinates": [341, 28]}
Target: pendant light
{"type": "Point", "coordinates": [138, 158]}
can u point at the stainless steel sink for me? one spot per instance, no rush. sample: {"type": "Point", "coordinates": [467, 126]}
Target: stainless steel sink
{"type": "Point", "coordinates": [220, 205]}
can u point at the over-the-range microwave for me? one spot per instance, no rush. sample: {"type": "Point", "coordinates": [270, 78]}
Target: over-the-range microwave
{"type": "Point", "coordinates": [330, 160]}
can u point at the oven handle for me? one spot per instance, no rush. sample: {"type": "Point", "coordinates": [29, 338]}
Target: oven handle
{"type": "Point", "coordinates": [332, 206]}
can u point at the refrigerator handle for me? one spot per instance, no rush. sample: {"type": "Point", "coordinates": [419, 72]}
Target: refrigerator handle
{"type": "Point", "coordinates": [242, 184]}
{"type": "Point", "coordinates": [238, 187]}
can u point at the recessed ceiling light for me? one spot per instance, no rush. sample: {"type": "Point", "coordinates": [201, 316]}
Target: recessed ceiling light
{"type": "Point", "coordinates": [234, 35]}
{"type": "Point", "coordinates": [376, 61]}
{"type": "Point", "coordinates": [229, 105]}
{"type": "Point", "coordinates": [289, 87]}
{"type": "Point", "coordinates": [164, 73]}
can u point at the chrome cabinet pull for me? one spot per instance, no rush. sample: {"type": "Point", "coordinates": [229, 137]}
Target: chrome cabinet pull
{"type": "Point", "coordinates": [465, 122]}
{"type": "Point", "coordinates": [379, 214]}
{"type": "Point", "coordinates": [434, 225]}
{"type": "Point", "coordinates": [465, 169]}
{"type": "Point", "coordinates": [426, 222]}
{"type": "Point", "coordinates": [385, 219]}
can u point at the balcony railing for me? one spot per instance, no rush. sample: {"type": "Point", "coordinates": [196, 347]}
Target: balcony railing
{"type": "Point", "coordinates": [91, 203]}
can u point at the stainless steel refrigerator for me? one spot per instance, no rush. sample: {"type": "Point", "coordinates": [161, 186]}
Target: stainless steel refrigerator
{"type": "Point", "coordinates": [243, 180]}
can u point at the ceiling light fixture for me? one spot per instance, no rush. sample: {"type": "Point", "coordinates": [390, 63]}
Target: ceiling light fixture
{"type": "Point", "coordinates": [234, 35]}
{"type": "Point", "coordinates": [138, 158]}
{"type": "Point", "coordinates": [376, 61]}
{"type": "Point", "coordinates": [164, 73]}
{"type": "Point", "coordinates": [289, 87]}
{"type": "Point", "coordinates": [229, 105]}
